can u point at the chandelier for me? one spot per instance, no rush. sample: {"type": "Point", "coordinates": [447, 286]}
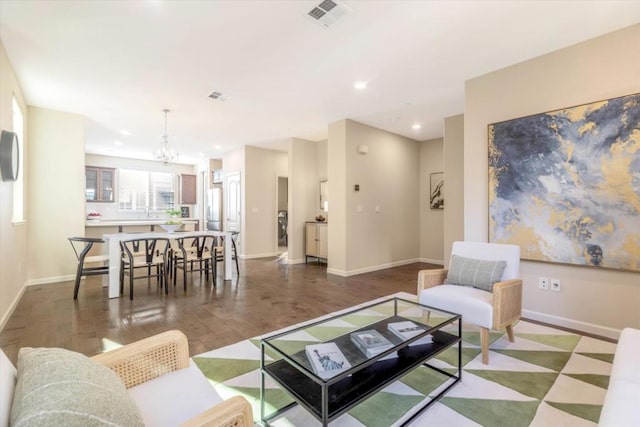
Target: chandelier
{"type": "Point", "coordinates": [165, 154]}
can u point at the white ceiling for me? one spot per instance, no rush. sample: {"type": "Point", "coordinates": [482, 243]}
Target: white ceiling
{"type": "Point", "coordinates": [119, 63]}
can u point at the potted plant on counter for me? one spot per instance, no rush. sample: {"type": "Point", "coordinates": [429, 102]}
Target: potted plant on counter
{"type": "Point", "coordinates": [173, 223]}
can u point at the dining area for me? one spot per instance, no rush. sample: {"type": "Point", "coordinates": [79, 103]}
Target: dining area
{"type": "Point", "coordinates": [166, 257]}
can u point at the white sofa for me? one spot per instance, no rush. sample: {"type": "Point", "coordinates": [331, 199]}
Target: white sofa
{"type": "Point", "coordinates": [622, 403]}
{"type": "Point", "coordinates": [163, 382]}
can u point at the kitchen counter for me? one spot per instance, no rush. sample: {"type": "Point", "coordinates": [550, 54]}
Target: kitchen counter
{"type": "Point", "coordinates": [121, 223]}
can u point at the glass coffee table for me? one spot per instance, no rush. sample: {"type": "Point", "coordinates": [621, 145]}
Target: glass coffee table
{"type": "Point", "coordinates": [329, 382]}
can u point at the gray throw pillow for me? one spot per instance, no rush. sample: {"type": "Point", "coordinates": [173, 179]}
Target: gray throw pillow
{"type": "Point", "coordinates": [479, 273]}
{"type": "Point", "coordinates": [58, 387]}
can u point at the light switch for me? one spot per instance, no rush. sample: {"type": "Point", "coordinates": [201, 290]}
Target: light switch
{"type": "Point", "coordinates": [255, 210]}
{"type": "Point", "coordinates": [377, 209]}
{"type": "Point", "coordinates": [359, 208]}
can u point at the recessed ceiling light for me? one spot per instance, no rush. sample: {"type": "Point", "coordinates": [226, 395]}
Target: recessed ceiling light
{"type": "Point", "coordinates": [116, 142]}
{"type": "Point", "coordinates": [218, 147]}
{"type": "Point", "coordinates": [125, 132]}
{"type": "Point", "coordinates": [416, 126]}
{"type": "Point", "coordinates": [200, 154]}
{"type": "Point", "coordinates": [360, 85]}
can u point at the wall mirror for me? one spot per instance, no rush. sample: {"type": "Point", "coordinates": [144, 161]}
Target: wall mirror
{"type": "Point", "coordinates": [324, 194]}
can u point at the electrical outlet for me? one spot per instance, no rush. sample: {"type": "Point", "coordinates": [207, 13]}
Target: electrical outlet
{"type": "Point", "coordinates": [543, 283]}
{"type": "Point", "coordinates": [555, 285]}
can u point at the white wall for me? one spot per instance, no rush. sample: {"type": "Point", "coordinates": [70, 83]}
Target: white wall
{"type": "Point", "coordinates": [55, 193]}
{"type": "Point", "coordinates": [380, 222]}
{"type": "Point", "coordinates": [454, 183]}
{"type": "Point", "coordinates": [303, 183]}
{"type": "Point", "coordinates": [431, 220]}
{"type": "Point", "coordinates": [601, 301]}
{"type": "Point", "coordinates": [13, 237]}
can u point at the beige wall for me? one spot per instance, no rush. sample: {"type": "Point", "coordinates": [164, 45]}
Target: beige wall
{"type": "Point", "coordinates": [454, 183]}
{"type": "Point", "coordinates": [601, 301]}
{"type": "Point", "coordinates": [262, 168]}
{"type": "Point", "coordinates": [13, 237]}
{"type": "Point", "coordinates": [337, 177]}
{"type": "Point", "coordinates": [431, 220]}
{"type": "Point", "coordinates": [381, 219]}
{"type": "Point", "coordinates": [303, 183]}
{"type": "Point", "coordinates": [55, 192]}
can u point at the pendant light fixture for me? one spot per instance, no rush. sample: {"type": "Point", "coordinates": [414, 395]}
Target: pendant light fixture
{"type": "Point", "coordinates": [165, 154]}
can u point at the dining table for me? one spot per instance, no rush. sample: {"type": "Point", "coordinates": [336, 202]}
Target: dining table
{"type": "Point", "coordinates": [113, 247]}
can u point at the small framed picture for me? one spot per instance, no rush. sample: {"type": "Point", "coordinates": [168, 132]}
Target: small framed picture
{"type": "Point", "coordinates": [184, 212]}
{"type": "Point", "coordinates": [436, 188]}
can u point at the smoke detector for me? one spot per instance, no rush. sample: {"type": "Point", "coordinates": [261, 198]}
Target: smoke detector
{"type": "Point", "coordinates": [218, 96]}
{"type": "Point", "coordinates": [328, 12]}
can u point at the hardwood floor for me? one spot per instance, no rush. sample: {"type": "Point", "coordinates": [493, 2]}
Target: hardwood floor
{"type": "Point", "coordinates": [267, 295]}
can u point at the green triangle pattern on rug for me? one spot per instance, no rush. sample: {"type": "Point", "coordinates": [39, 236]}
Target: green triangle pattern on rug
{"type": "Point", "coordinates": [383, 409]}
{"type": "Point", "coordinates": [588, 412]}
{"type": "Point", "coordinates": [601, 381]}
{"type": "Point", "coordinates": [506, 392]}
{"type": "Point", "coordinates": [605, 357]}
{"type": "Point", "coordinates": [533, 384]}
{"type": "Point", "coordinates": [554, 360]}
{"type": "Point", "coordinates": [496, 413]}
{"type": "Point", "coordinates": [565, 342]}
{"type": "Point", "coordinates": [221, 370]}
{"type": "Point", "coordinates": [473, 337]}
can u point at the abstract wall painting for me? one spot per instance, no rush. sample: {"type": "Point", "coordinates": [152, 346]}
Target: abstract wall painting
{"type": "Point", "coordinates": [436, 193]}
{"type": "Point", "coordinates": [565, 185]}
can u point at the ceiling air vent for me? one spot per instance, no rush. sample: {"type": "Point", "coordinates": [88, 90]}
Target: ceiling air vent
{"type": "Point", "coordinates": [328, 12]}
{"type": "Point", "coordinates": [217, 96]}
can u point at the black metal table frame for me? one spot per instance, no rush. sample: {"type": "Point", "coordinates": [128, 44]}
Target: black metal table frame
{"type": "Point", "coordinates": [324, 384]}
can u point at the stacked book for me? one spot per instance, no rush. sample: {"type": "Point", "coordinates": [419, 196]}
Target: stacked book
{"type": "Point", "coordinates": [370, 342]}
{"type": "Point", "coordinates": [407, 329]}
{"type": "Point", "coordinates": [326, 359]}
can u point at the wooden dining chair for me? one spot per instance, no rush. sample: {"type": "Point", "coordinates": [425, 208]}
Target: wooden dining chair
{"type": "Point", "coordinates": [148, 253]}
{"type": "Point", "coordinates": [192, 254]}
{"type": "Point", "coordinates": [87, 263]}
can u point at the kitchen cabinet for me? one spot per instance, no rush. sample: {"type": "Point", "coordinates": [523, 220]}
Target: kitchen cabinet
{"type": "Point", "coordinates": [99, 184]}
{"type": "Point", "coordinates": [187, 189]}
{"type": "Point", "coordinates": [315, 241]}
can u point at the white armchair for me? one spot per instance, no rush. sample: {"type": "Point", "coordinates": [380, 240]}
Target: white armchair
{"type": "Point", "coordinates": [498, 309]}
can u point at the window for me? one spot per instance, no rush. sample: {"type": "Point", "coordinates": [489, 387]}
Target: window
{"type": "Point", "coordinates": [18, 185]}
{"type": "Point", "coordinates": [141, 190]}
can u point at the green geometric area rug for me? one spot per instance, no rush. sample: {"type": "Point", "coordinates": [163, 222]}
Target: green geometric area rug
{"type": "Point", "coordinates": [547, 377]}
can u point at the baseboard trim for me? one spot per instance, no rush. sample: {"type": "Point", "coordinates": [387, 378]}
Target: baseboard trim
{"type": "Point", "coordinates": [296, 261]}
{"type": "Point", "coordinates": [12, 307]}
{"type": "Point", "coordinates": [265, 255]}
{"type": "Point", "coordinates": [432, 261]}
{"type": "Point", "coordinates": [577, 325]}
{"type": "Point", "coordinates": [52, 279]}
{"type": "Point", "coordinates": [344, 273]}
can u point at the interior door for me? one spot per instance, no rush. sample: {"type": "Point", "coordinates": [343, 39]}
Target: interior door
{"type": "Point", "coordinates": [233, 205]}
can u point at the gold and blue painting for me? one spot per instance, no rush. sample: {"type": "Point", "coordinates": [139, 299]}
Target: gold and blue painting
{"type": "Point", "coordinates": [565, 185]}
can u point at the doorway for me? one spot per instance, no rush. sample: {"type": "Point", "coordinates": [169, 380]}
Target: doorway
{"type": "Point", "coordinates": [282, 195]}
{"type": "Point", "coordinates": [233, 205]}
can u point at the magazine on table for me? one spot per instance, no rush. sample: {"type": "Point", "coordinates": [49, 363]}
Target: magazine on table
{"type": "Point", "coordinates": [407, 330]}
{"type": "Point", "coordinates": [326, 359]}
{"type": "Point", "coordinates": [370, 342]}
